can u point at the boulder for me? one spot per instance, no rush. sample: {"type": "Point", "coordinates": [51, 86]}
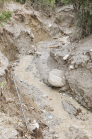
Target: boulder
{"type": "Point", "coordinates": [34, 126]}
{"type": "Point", "coordinates": [80, 83]}
{"type": "Point", "coordinates": [15, 35]}
{"type": "Point", "coordinates": [56, 78]}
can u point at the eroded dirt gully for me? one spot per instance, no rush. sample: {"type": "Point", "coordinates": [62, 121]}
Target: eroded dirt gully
{"type": "Point", "coordinates": [34, 38]}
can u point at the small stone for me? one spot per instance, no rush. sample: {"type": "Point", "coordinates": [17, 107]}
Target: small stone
{"type": "Point", "coordinates": [32, 108]}
{"type": "Point", "coordinates": [45, 96]}
{"type": "Point", "coordinates": [9, 100]}
{"type": "Point", "coordinates": [70, 97]}
{"type": "Point", "coordinates": [34, 126]}
{"type": "Point", "coordinates": [66, 57]}
{"type": "Point", "coordinates": [17, 64]}
{"type": "Point", "coordinates": [38, 53]}
{"type": "Point", "coordinates": [43, 111]}
{"type": "Point", "coordinates": [55, 136]}
{"type": "Point", "coordinates": [13, 65]}
{"type": "Point", "coordinates": [63, 43]}
{"type": "Point", "coordinates": [17, 60]}
{"type": "Point", "coordinates": [50, 117]}
{"type": "Point", "coordinates": [71, 67]}
{"type": "Point", "coordinates": [13, 69]}
{"type": "Point", "coordinates": [50, 25]}
{"type": "Point", "coordinates": [50, 109]}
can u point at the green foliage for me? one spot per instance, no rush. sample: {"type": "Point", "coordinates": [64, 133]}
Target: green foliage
{"type": "Point", "coordinates": [5, 15]}
{"type": "Point", "coordinates": [47, 6]}
{"type": "Point", "coordinates": [1, 85]}
{"type": "Point", "coordinates": [21, 1]}
{"type": "Point", "coordinates": [83, 13]}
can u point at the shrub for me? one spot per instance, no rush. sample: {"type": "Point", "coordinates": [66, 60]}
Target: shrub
{"type": "Point", "coordinates": [5, 15]}
{"type": "Point", "coordinates": [45, 5]}
{"type": "Point", "coordinates": [21, 1]}
{"type": "Point", "coordinates": [83, 10]}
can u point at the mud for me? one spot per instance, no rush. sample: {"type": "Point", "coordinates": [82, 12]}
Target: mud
{"type": "Point", "coordinates": [47, 47]}
{"type": "Point", "coordinates": [45, 96]}
{"type": "Point", "coordinates": [75, 61]}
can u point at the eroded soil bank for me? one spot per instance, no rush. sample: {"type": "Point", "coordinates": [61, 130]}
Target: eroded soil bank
{"type": "Point", "coordinates": [36, 45]}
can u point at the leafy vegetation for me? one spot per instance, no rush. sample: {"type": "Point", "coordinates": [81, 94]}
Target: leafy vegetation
{"type": "Point", "coordinates": [34, 1]}
{"type": "Point", "coordinates": [21, 1]}
{"type": "Point", "coordinates": [5, 15]}
{"type": "Point", "coordinates": [83, 10]}
{"type": "Point", "coordinates": [2, 83]}
{"type": "Point", "coordinates": [45, 5]}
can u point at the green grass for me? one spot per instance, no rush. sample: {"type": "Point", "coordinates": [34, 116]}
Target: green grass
{"type": "Point", "coordinates": [2, 83]}
{"type": "Point", "coordinates": [5, 16]}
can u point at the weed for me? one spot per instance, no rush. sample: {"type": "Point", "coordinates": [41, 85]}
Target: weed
{"type": "Point", "coordinates": [5, 15]}
{"type": "Point", "coordinates": [1, 85]}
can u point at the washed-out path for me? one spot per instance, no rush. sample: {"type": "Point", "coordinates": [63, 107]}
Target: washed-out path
{"type": "Point", "coordinates": [65, 126]}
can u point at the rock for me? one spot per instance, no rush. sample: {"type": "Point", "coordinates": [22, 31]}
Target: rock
{"type": "Point", "coordinates": [56, 78]}
{"type": "Point", "coordinates": [3, 64]}
{"type": "Point", "coordinates": [63, 43]}
{"type": "Point", "coordinates": [50, 25]}
{"type": "Point", "coordinates": [66, 8]}
{"type": "Point", "coordinates": [19, 37]}
{"type": "Point", "coordinates": [80, 83]}
{"type": "Point", "coordinates": [71, 67]}
{"type": "Point", "coordinates": [66, 57]}
{"type": "Point", "coordinates": [9, 100]}
{"type": "Point", "coordinates": [38, 53]}
{"type": "Point", "coordinates": [69, 108]}
{"type": "Point", "coordinates": [63, 89]}
{"type": "Point", "coordinates": [48, 108]}
{"type": "Point", "coordinates": [59, 55]}
{"type": "Point", "coordinates": [32, 50]}
{"type": "Point", "coordinates": [55, 136]}
{"type": "Point", "coordinates": [20, 131]}
{"type": "Point", "coordinates": [32, 108]}
{"type": "Point", "coordinates": [27, 136]}
{"type": "Point", "coordinates": [76, 60]}
{"type": "Point", "coordinates": [34, 126]}
{"type": "Point", "coordinates": [54, 29]}
{"type": "Point", "coordinates": [50, 117]}
{"type": "Point", "coordinates": [17, 61]}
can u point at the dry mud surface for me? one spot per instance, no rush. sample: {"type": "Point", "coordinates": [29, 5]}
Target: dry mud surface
{"type": "Point", "coordinates": [42, 44]}
{"type": "Point", "coordinates": [66, 118]}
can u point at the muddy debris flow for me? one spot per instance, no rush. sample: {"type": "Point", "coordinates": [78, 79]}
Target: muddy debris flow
{"type": "Point", "coordinates": [52, 74]}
